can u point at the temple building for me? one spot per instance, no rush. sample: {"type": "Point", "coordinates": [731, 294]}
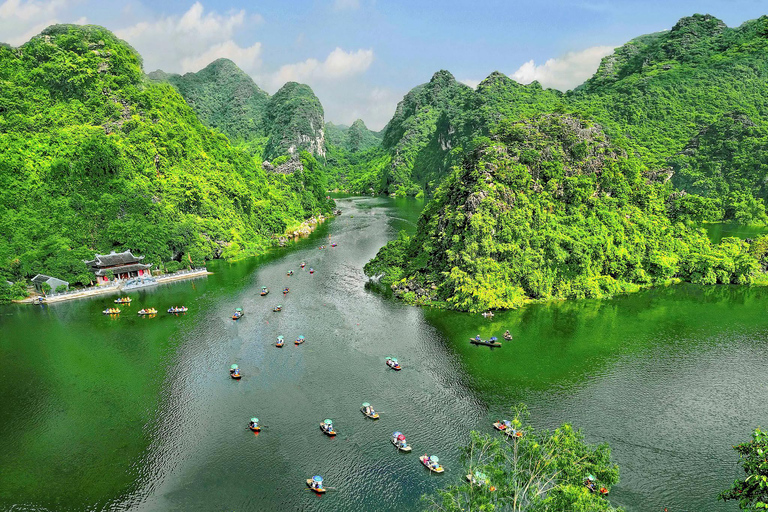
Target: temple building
{"type": "Point", "coordinates": [122, 265]}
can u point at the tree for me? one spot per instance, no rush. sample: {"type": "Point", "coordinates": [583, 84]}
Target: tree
{"type": "Point", "coordinates": [61, 288]}
{"type": "Point", "coordinates": [45, 288]}
{"type": "Point", "coordinates": [538, 472]}
{"type": "Point", "coordinates": [752, 491]}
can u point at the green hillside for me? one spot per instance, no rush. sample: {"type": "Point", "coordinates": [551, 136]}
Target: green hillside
{"type": "Point", "coordinates": [93, 157]}
{"type": "Point", "coordinates": [295, 122]}
{"type": "Point", "coordinates": [223, 97]}
{"type": "Point", "coordinates": [550, 208]}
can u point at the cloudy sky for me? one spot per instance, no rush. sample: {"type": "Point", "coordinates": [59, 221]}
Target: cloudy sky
{"type": "Point", "coordinates": [362, 56]}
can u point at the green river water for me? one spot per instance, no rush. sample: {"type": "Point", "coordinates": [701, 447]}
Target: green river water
{"type": "Point", "coordinates": [101, 413]}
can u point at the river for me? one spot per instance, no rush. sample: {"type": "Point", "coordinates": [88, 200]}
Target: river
{"type": "Point", "coordinates": [140, 413]}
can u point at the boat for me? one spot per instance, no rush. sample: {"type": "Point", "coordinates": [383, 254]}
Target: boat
{"type": "Point", "coordinates": [327, 428]}
{"type": "Point", "coordinates": [321, 247]}
{"type": "Point", "coordinates": [316, 484]}
{"type": "Point", "coordinates": [148, 311]}
{"type": "Point", "coordinates": [300, 340]}
{"type": "Point", "coordinates": [111, 311]}
{"type": "Point", "coordinates": [236, 375]}
{"type": "Point", "coordinates": [397, 439]}
{"type": "Point", "coordinates": [311, 270]}
{"type": "Point", "coordinates": [392, 363]}
{"type": "Point", "coordinates": [123, 300]}
{"type": "Point", "coordinates": [289, 273]}
{"type": "Point", "coordinates": [490, 343]}
{"type": "Point", "coordinates": [513, 433]}
{"type": "Point", "coordinates": [432, 463]}
{"type": "Point", "coordinates": [238, 314]}
{"type": "Point", "coordinates": [280, 341]}
{"type": "Point", "coordinates": [254, 425]}
{"type": "Point", "coordinates": [488, 314]}
{"type": "Point", "coordinates": [508, 336]}
{"type": "Point", "coordinates": [286, 290]}
{"type": "Point", "coordinates": [264, 291]}
{"type": "Point", "coordinates": [139, 282]}
{"type": "Point", "coordinates": [277, 308]}
{"type": "Point", "coordinates": [179, 309]}
{"type": "Point", "coordinates": [502, 425]}
{"type": "Point", "coordinates": [368, 411]}
{"type": "Point", "coordinates": [333, 244]}
{"type": "Point", "coordinates": [303, 264]}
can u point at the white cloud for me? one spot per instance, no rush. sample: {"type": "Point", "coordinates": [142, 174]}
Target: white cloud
{"type": "Point", "coordinates": [565, 72]}
{"type": "Point", "coordinates": [245, 58]}
{"type": "Point", "coordinates": [20, 20]}
{"type": "Point", "coordinates": [350, 101]}
{"type": "Point", "coordinates": [191, 41]}
{"type": "Point", "coordinates": [470, 82]}
{"type": "Point", "coordinates": [342, 5]}
{"type": "Point", "coordinates": [338, 64]}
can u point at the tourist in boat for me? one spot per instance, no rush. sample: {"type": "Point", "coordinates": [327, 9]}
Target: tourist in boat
{"type": "Point", "coordinates": [316, 484]}
{"type": "Point", "coordinates": [477, 338]}
{"type": "Point", "coordinates": [589, 483]}
{"type": "Point", "coordinates": [508, 335]}
{"type": "Point", "coordinates": [254, 424]}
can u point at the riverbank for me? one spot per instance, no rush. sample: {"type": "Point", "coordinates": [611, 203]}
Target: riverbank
{"type": "Point", "coordinates": [113, 288]}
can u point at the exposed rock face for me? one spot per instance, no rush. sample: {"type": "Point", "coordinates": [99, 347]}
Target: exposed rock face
{"type": "Point", "coordinates": [226, 98]}
{"type": "Point", "coordinates": [295, 122]}
{"type": "Point", "coordinates": [289, 167]}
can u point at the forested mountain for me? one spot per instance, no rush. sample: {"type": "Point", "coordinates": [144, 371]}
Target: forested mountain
{"type": "Point", "coordinates": [223, 97]}
{"type": "Point", "coordinates": [226, 98]}
{"type": "Point", "coordinates": [354, 139]}
{"type": "Point", "coordinates": [667, 95]}
{"type": "Point", "coordinates": [694, 98]}
{"type": "Point", "coordinates": [550, 208]}
{"type": "Point", "coordinates": [94, 157]}
{"type": "Point", "coordinates": [295, 122]}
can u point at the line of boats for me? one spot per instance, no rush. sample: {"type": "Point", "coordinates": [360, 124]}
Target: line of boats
{"type": "Point", "coordinates": [174, 310]}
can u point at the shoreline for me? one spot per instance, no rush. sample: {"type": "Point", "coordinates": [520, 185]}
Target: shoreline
{"type": "Point", "coordinates": [104, 290]}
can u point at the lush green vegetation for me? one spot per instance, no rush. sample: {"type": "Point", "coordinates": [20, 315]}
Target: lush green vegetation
{"type": "Point", "coordinates": [94, 158]}
{"type": "Point", "coordinates": [752, 491]}
{"type": "Point", "coordinates": [223, 97]}
{"type": "Point", "coordinates": [539, 472]}
{"type": "Point", "coordinates": [550, 208]}
{"type": "Point", "coordinates": [354, 139]}
{"type": "Point", "coordinates": [295, 122]}
{"type": "Point", "coordinates": [691, 98]}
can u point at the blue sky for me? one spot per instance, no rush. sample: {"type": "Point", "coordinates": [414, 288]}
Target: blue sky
{"type": "Point", "coordinates": [362, 56]}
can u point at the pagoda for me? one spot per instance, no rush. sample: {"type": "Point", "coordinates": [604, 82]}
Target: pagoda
{"type": "Point", "coordinates": [122, 265]}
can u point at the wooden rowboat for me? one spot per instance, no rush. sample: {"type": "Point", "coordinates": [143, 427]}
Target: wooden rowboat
{"type": "Point", "coordinates": [320, 490]}
{"type": "Point", "coordinates": [255, 429]}
{"type": "Point", "coordinates": [475, 341]}
{"type": "Point", "coordinates": [500, 426]}
{"type": "Point", "coordinates": [329, 433]}
{"type": "Point", "coordinates": [425, 460]}
{"type": "Point", "coordinates": [280, 341]}
{"type": "Point", "coordinates": [406, 449]}
{"type": "Point", "coordinates": [373, 416]}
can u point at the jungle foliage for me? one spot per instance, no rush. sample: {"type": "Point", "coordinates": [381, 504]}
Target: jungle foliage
{"type": "Point", "coordinates": [93, 157]}
{"type": "Point", "coordinates": [550, 208]}
{"type": "Point", "coordinates": [692, 99]}
{"type": "Point", "coordinates": [751, 492]}
{"type": "Point", "coordinates": [224, 97]}
{"type": "Point", "coordinates": [541, 471]}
